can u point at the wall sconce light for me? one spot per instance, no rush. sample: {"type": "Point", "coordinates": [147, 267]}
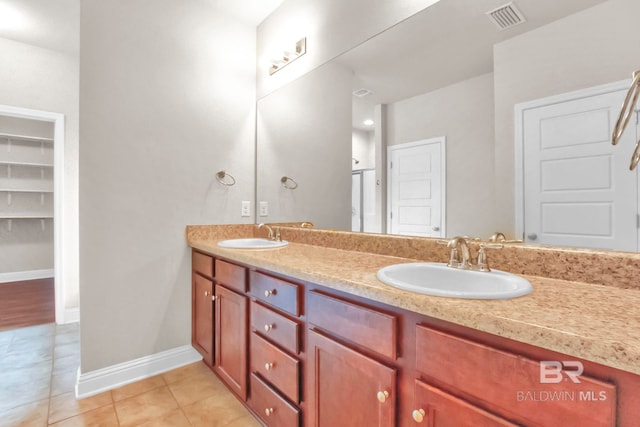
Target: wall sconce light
{"type": "Point", "coordinates": [288, 56]}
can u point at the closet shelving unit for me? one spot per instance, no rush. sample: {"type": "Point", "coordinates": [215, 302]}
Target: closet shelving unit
{"type": "Point", "coordinates": [26, 179]}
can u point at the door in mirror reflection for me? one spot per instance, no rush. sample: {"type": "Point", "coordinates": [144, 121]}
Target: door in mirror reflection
{"type": "Point", "coordinates": [417, 188]}
{"type": "Point", "coordinates": [578, 190]}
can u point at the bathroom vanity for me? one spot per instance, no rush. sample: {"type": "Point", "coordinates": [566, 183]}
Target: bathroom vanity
{"type": "Point", "coordinates": [305, 335]}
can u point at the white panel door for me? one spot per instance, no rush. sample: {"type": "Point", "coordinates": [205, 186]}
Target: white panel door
{"type": "Point", "coordinates": [416, 188]}
{"type": "Point", "coordinates": [578, 190]}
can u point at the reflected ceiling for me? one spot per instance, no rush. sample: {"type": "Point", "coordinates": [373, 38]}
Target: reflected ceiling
{"type": "Point", "coordinates": [433, 49]}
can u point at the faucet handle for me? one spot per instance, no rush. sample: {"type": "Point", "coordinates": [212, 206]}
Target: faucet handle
{"type": "Point", "coordinates": [483, 262]}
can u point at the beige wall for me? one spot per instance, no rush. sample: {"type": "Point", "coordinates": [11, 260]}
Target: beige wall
{"type": "Point", "coordinates": [593, 47]}
{"type": "Point", "coordinates": [168, 99]}
{"type": "Point", "coordinates": [309, 141]}
{"type": "Point", "coordinates": [463, 113]}
{"type": "Point", "coordinates": [43, 79]}
{"type": "Point", "coordinates": [331, 27]}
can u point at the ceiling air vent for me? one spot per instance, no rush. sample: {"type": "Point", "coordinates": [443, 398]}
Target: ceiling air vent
{"type": "Point", "coordinates": [360, 93]}
{"type": "Point", "coordinates": [506, 16]}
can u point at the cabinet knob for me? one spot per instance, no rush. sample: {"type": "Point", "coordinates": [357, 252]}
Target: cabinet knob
{"type": "Point", "coordinates": [268, 366]}
{"type": "Point", "coordinates": [207, 293]}
{"type": "Point", "coordinates": [213, 297]}
{"type": "Point", "coordinates": [268, 326]}
{"type": "Point", "coordinates": [269, 293]}
{"type": "Point", "coordinates": [268, 411]}
{"type": "Point", "coordinates": [418, 415]}
{"type": "Point", "coordinates": [382, 396]}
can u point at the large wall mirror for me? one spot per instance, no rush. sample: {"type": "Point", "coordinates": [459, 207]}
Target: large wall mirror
{"type": "Point", "coordinates": [447, 124]}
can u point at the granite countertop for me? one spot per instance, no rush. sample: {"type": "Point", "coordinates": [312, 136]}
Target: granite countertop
{"type": "Point", "coordinates": [591, 321]}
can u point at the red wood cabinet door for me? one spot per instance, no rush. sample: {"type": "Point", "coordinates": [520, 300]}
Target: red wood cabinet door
{"type": "Point", "coordinates": [348, 388]}
{"type": "Point", "coordinates": [435, 408]}
{"type": "Point", "coordinates": [202, 317]}
{"type": "Point", "coordinates": [231, 339]}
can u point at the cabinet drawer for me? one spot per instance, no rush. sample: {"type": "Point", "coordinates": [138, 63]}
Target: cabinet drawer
{"type": "Point", "coordinates": [202, 263]}
{"type": "Point", "coordinates": [272, 409]}
{"type": "Point", "coordinates": [231, 275]}
{"type": "Point", "coordinates": [277, 367]}
{"type": "Point", "coordinates": [277, 328]}
{"type": "Point", "coordinates": [438, 409]}
{"type": "Point", "coordinates": [363, 326]}
{"type": "Point", "coordinates": [276, 292]}
{"type": "Point", "coordinates": [512, 385]}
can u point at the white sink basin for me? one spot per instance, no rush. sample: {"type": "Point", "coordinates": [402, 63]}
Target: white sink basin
{"type": "Point", "coordinates": [438, 279]}
{"type": "Point", "coordinates": [252, 243]}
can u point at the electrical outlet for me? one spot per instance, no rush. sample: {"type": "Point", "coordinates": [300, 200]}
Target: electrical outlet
{"type": "Point", "coordinates": [246, 208]}
{"type": "Point", "coordinates": [264, 208]}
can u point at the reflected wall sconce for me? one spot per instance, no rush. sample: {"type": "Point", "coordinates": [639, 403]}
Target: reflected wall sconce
{"type": "Point", "coordinates": [288, 56]}
{"type": "Point", "coordinates": [288, 183]}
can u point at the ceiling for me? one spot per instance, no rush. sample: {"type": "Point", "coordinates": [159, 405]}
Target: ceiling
{"type": "Point", "coordinates": [449, 42]}
{"type": "Point", "coordinates": [55, 24]}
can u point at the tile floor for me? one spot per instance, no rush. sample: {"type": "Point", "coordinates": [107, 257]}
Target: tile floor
{"type": "Point", "coordinates": [38, 367]}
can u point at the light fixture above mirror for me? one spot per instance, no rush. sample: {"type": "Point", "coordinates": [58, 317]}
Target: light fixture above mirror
{"type": "Point", "coordinates": [288, 56]}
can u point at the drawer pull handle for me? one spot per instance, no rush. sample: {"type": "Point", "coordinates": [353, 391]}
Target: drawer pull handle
{"type": "Point", "coordinates": [268, 326]}
{"type": "Point", "coordinates": [268, 366]}
{"type": "Point", "coordinates": [269, 293]}
{"type": "Point", "coordinates": [418, 415]}
{"type": "Point", "coordinates": [268, 411]}
{"type": "Point", "coordinates": [382, 396]}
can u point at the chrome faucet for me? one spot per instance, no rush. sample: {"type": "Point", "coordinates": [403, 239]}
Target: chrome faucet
{"type": "Point", "coordinates": [460, 256]}
{"type": "Point", "coordinates": [273, 232]}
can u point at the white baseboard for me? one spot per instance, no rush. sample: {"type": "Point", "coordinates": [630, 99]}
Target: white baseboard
{"type": "Point", "coordinates": [71, 315]}
{"type": "Point", "coordinates": [98, 381]}
{"type": "Point", "coordinates": [19, 276]}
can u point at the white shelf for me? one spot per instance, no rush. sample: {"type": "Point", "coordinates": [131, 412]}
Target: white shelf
{"type": "Point", "coordinates": [25, 137]}
{"type": "Point", "coordinates": [25, 216]}
{"type": "Point", "coordinates": [24, 190]}
{"type": "Point", "coordinates": [35, 164]}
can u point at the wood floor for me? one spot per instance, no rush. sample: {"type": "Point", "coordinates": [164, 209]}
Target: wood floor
{"type": "Point", "coordinates": [26, 303]}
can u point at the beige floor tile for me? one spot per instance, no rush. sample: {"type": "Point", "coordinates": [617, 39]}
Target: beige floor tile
{"type": "Point", "coordinates": [198, 368]}
{"type": "Point", "coordinates": [145, 407]}
{"type": "Point", "coordinates": [30, 415]}
{"type": "Point", "coordinates": [65, 405]}
{"type": "Point", "coordinates": [216, 411]}
{"type": "Point", "coordinates": [101, 417]}
{"type": "Point", "coordinates": [138, 387]}
{"type": "Point", "coordinates": [195, 388]}
{"type": "Point", "coordinates": [175, 418]}
{"type": "Point", "coordinates": [246, 421]}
